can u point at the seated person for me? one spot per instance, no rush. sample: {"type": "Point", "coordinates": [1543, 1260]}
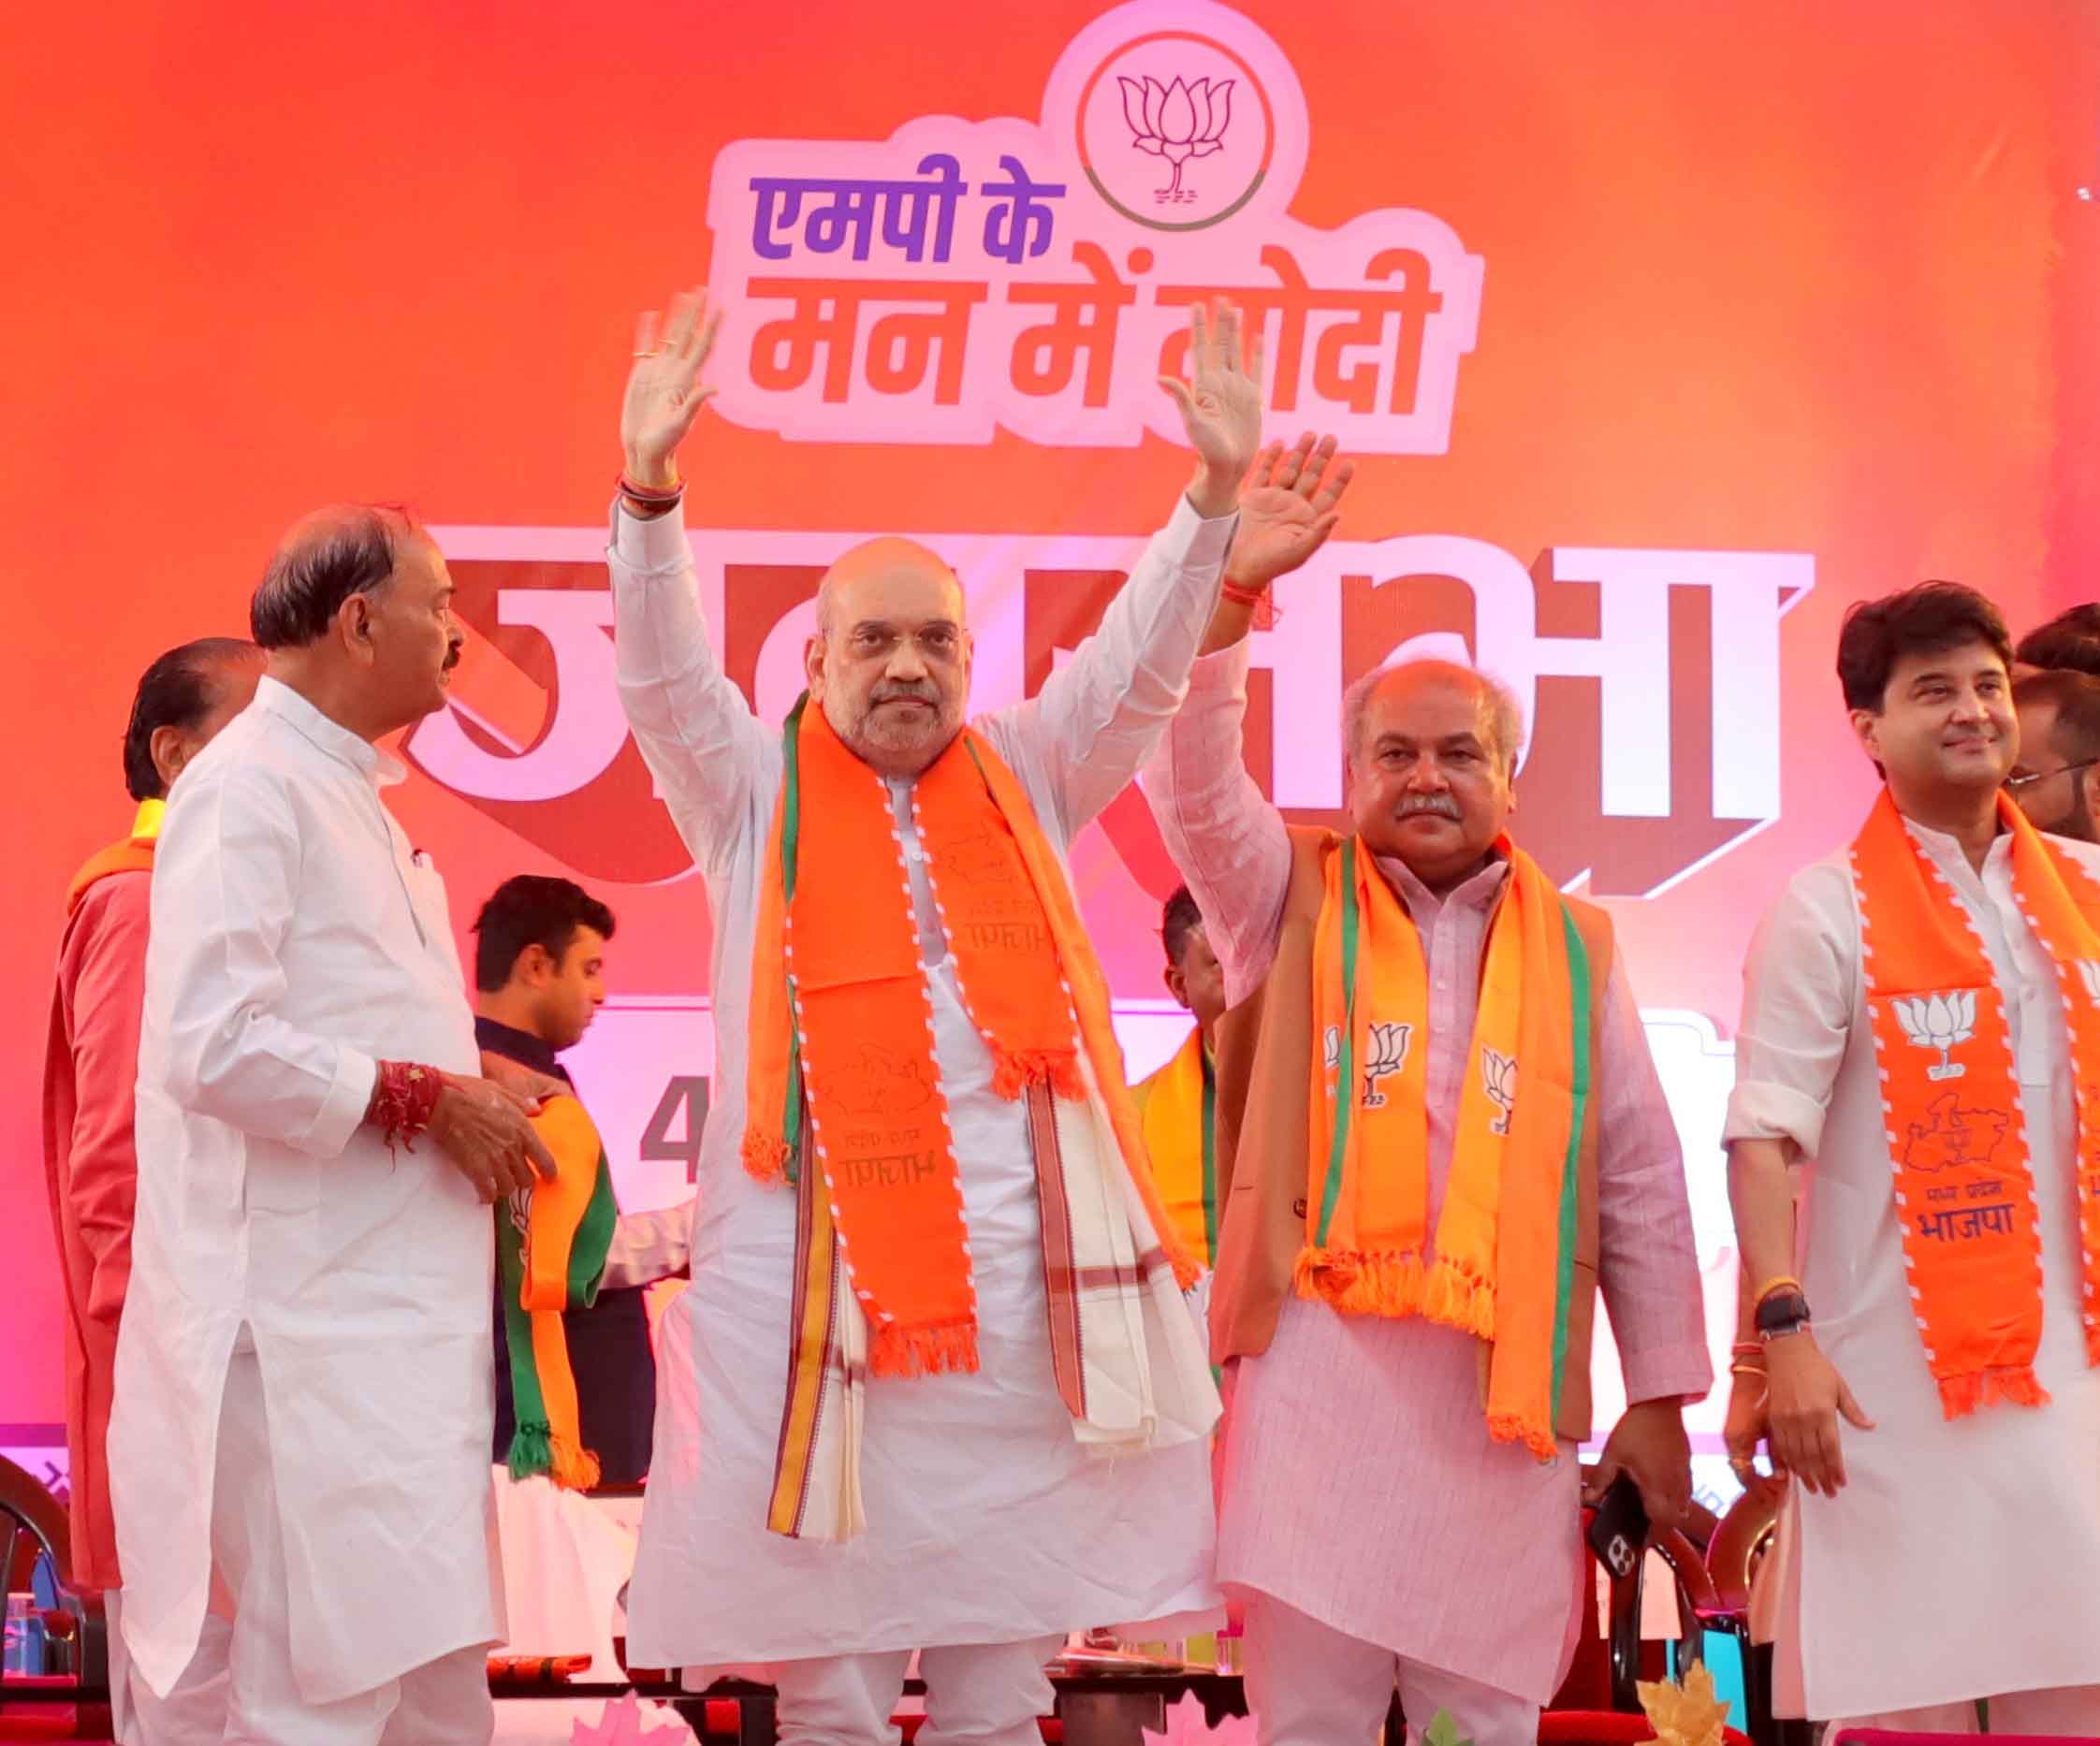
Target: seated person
{"type": "Point", "coordinates": [539, 972]}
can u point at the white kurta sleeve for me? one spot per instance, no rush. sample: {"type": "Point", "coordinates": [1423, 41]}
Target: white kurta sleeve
{"type": "Point", "coordinates": [1797, 989]}
{"type": "Point", "coordinates": [698, 735]}
{"type": "Point", "coordinates": [1097, 717]}
{"type": "Point", "coordinates": [225, 886]}
{"type": "Point", "coordinates": [649, 1247]}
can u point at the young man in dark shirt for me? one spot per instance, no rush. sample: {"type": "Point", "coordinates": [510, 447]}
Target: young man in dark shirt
{"type": "Point", "coordinates": [539, 973]}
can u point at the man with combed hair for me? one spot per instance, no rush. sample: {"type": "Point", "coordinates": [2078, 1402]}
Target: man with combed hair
{"type": "Point", "coordinates": [2056, 777]}
{"type": "Point", "coordinates": [1921, 1035]}
{"type": "Point", "coordinates": [1439, 1131]}
{"type": "Point", "coordinates": [91, 1070]}
{"type": "Point", "coordinates": [303, 1397]}
{"type": "Point", "coordinates": [933, 1386]}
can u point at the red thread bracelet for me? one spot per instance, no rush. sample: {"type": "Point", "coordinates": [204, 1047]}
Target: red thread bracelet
{"type": "Point", "coordinates": [1265, 609]}
{"type": "Point", "coordinates": [403, 1101]}
{"type": "Point", "coordinates": [652, 496]}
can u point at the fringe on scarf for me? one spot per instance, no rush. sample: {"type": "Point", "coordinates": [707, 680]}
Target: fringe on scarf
{"type": "Point", "coordinates": [2016, 1384]}
{"type": "Point", "coordinates": [935, 1352]}
{"type": "Point", "coordinates": [1511, 1428]}
{"type": "Point", "coordinates": [1015, 1070]}
{"type": "Point", "coordinates": [1394, 1286]}
{"type": "Point", "coordinates": [535, 1450]}
{"type": "Point", "coordinates": [765, 1158]}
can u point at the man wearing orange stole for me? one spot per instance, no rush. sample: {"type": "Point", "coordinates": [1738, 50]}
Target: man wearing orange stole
{"type": "Point", "coordinates": [1439, 1131]}
{"type": "Point", "coordinates": [1177, 1103]}
{"type": "Point", "coordinates": [1921, 1029]}
{"type": "Point", "coordinates": [934, 1386]}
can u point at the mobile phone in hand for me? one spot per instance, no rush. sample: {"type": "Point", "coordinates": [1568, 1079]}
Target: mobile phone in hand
{"type": "Point", "coordinates": [1619, 1527]}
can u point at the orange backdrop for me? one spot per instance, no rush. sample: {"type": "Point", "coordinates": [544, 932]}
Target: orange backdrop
{"type": "Point", "coordinates": [1759, 276]}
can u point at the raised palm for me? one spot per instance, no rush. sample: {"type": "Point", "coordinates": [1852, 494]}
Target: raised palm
{"type": "Point", "coordinates": [1220, 402]}
{"type": "Point", "coordinates": [1288, 508]}
{"type": "Point", "coordinates": [664, 392]}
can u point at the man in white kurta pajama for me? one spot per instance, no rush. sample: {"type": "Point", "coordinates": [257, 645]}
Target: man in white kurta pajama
{"type": "Point", "coordinates": [1924, 1562]}
{"type": "Point", "coordinates": [990, 1531]}
{"type": "Point", "coordinates": [303, 1397]}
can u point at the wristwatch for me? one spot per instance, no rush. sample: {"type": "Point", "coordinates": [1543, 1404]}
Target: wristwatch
{"type": "Point", "coordinates": [1781, 1314]}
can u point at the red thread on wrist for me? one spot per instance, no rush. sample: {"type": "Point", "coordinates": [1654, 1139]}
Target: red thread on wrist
{"type": "Point", "coordinates": [403, 1101]}
{"type": "Point", "coordinates": [1266, 612]}
{"type": "Point", "coordinates": [654, 497]}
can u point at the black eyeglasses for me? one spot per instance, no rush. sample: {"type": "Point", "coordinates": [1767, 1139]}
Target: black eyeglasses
{"type": "Point", "coordinates": [2014, 784]}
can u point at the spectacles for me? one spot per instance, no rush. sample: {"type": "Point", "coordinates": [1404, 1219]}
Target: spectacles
{"type": "Point", "coordinates": [2015, 784]}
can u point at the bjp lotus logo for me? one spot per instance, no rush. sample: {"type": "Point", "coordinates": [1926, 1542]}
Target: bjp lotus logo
{"type": "Point", "coordinates": [1386, 1055]}
{"type": "Point", "coordinates": [1938, 1021]}
{"type": "Point", "coordinates": [1178, 122]}
{"type": "Point", "coordinates": [1499, 1079]}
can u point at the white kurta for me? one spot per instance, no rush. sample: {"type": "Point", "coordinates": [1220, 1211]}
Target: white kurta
{"type": "Point", "coordinates": [296, 939]}
{"type": "Point", "coordinates": [987, 1521]}
{"type": "Point", "coordinates": [1961, 1559]}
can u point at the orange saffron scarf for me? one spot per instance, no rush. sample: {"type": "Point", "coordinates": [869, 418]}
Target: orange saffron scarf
{"type": "Point", "coordinates": [1505, 1238]}
{"type": "Point", "coordinates": [841, 1024]}
{"type": "Point", "coordinates": [1957, 1133]}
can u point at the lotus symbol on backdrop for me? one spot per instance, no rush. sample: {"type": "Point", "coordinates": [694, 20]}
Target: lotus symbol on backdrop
{"type": "Point", "coordinates": [1938, 1021]}
{"type": "Point", "coordinates": [1178, 122]}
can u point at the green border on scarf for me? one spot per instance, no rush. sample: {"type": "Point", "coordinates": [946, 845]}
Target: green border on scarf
{"type": "Point", "coordinates": [1570, 1174]}
{"type": "Point", "coordinates": [791, 854]}
{"type": "Point", "coordinates": [1210, 1155]}
{"type": "Point", "coordinates": [1344, 1082]}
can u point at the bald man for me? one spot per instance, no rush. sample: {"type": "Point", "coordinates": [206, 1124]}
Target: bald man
{"type": "Point", "coordinates": [934, 1386]}
{"type": "Point", "coordinates": [1406, 1274]}
{"type": "Point", "coordinates": [303, 1398]}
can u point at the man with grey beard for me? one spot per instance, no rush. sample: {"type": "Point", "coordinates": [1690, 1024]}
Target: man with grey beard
{"type": "Point", "coordinates": [1439, 1131]}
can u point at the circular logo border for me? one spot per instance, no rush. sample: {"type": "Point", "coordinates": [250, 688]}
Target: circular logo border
{"type": "Point", "coordinates": [1253, 78]}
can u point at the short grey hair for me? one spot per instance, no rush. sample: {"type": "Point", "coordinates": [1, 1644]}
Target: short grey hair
{"type": "Point", "coordinates": [1502, 704]}
{"type": "Point", "coordinates": [352, 549]}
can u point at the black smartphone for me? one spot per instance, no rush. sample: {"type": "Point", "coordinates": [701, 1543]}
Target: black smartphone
{"type": "Point", "coordinates": [1619, 1527]}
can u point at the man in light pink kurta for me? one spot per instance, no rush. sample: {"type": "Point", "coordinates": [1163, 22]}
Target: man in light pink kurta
{"type": "Point", "coordinates": [1375, 1531]}
{"type": "Point", "coordinates": [91, 1066]}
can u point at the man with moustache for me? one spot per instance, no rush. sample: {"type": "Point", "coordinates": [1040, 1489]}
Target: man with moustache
{"type": "Point", "coordinates": [303, 1399]}
{"type": "Point", "coordinates": [933, 1386]}
{"type": "Point", "coordinates": [1921, 1031]}
{"type": "Point", "coordinates": [1439, 1131]}
{"type": "Point", "coordinates": [90, 1072]}
{"type": "Point", "coordinates": [2056, 777]}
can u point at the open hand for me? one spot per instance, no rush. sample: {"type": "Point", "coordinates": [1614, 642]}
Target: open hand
{"type": "Point", "coordinates": [1220, 405]}
{"type": "Point", "coordinates": [1287, 509]}
{"type": "Point", "coordinates": [1805, 1399]}
{"type": "Point", "coordinates": [663, 391]}
{"type": "Point", "coordinates": [485, 1132]}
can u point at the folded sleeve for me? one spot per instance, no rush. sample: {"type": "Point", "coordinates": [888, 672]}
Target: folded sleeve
{"type": "Point", "coordinates": [1799, 985]}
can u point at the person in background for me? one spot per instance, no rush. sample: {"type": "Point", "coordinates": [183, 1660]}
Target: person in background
{"type": "Point", "coordinates": [2056, 777]}
{"type": "Point", "coordinates": [303, 1398]}
{"type": "Point", "coordinates": [91, 1070]}
{"type": "Point", "coordinates": [2069, 640]}
{"type": "Point", "coordinates": [1175, 1103]}
{"type": "Point", "coordinates": [539, 979]}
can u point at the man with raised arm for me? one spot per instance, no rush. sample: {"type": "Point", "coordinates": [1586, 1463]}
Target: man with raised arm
{"type": "Point", "coordinates": [1439, 1131]}
{"type": "Point", "coordinates": [304, 1396]}
{"type": "Point", "coordinates": [933, 1386]}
